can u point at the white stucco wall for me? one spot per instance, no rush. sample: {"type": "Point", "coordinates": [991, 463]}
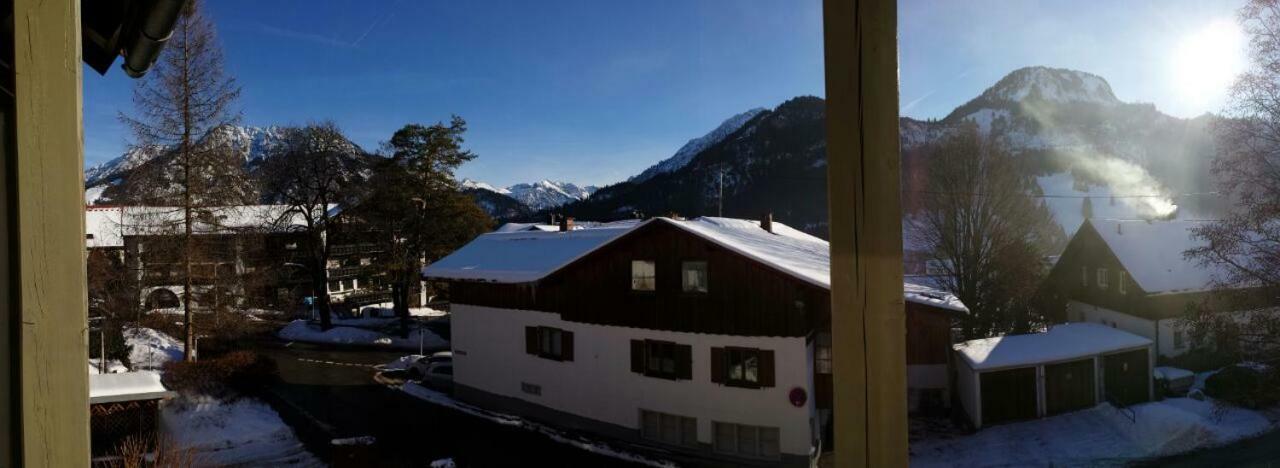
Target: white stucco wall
{"type": "Point", "coordinates": [968, 392]}
{"type": "Point", "coordinates": [1161, 331]}
{"type": "Point", "coordinates": [489, 355]}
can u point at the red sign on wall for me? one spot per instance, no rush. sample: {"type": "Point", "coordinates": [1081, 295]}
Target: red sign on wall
{"type": "Point", "coordinates": [798, 397]}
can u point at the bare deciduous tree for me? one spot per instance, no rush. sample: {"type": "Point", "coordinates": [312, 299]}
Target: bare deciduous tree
{"type": "Point", "coordinates": [984, 229]}
{"type": "Point", "coordinates": [311, 174]}
{"type": "Point", "coordinates": [1243, 246]}
{"type": "Point", "coordinates": [180, 107]}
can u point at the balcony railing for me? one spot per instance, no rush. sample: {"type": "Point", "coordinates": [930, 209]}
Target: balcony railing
{"type": "Point", "coordinates": [353, 249]}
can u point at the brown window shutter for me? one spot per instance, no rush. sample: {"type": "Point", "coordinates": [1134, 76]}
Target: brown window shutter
{"type": "Point", "coordinates": [684, 362]}
{"type": "Point", "coordinates": [766, 368]}
{"type": "Point", "coordinates": [717, 365]}
{"type": "Point", "coordinates": [637, 356]}
{"type": "Point", "coordinates": [566, 346]}
{"type": "Point", "coordinates": [531, 340]}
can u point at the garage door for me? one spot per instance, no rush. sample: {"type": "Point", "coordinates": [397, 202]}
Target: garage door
{"type": "Point", "coordinates": [1008, 395]}
{"type": "Point", "coordinates": [1126, 377]}
{"type": "Point", "coordinates": [1069, 386]}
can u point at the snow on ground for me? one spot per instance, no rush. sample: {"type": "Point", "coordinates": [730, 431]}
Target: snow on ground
{"type": "Point", "coordinates": [1099, 436]}
{"type": "Point", "coordinates": [241, 432]}
{"type": "Point", "coordinates": [402, 363]}
{"type": "Point", "coordinates": [596, 447]}
{"type": "Point", "coordinates": [300, 330]}
{"type": "Point", "coordinates": [114, 366]}
{"type": "Point", "coordinates": [151, 349]}
{"type": "Point", "coordinates": [385, 308]}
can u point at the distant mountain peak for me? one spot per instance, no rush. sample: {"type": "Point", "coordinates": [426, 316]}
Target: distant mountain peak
{"type": "Point", "coordinates": [538, 195]}
{"type": "Point", "coordinates": [696, 145]}
{"type": "Point", "coordinates": [1052, 84]}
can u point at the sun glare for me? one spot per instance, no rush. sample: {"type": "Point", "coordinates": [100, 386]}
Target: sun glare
{"type": "Point", "coordinates": [1206, 62]}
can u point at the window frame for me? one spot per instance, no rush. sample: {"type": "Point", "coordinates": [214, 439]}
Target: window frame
{"type": "Point", "coordinates": [1122, 278]}
{"type": "Point", "coordinates": [1103, 279]}
{"type": "Point", "coordinates": [684, 279]}
{"type": "Point", "coordinates": [551, 343]}
{"type": "Point", "coordinates": [720, 429]}
{"type": "Point", "coordinates": [743, 353]}
{"type": "Point", "coordinates": [653, 277]}
{"type": "Point", "coordinates": [682, 424]}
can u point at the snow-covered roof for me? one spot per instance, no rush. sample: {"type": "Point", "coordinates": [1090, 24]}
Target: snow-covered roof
{"type": "Point", "coordinates": [126, 386]}
{"type": "Point", "coordinates": [108, 225]}
{"type": "Point", "coordinates": [519, 257]}
{"type": "Point", "coordinates": [922, 290]}
{"type": "Point", "coordinates": [1061, 343]}
{"type": "Point", "coordinates": [525, 256]}
{"type": "Point", "coordinates": [1151, 251]}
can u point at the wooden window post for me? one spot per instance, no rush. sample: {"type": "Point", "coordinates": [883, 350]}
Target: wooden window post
{"type": "Point", "coordinates": [863, 170]}
{"type": "Point", "coordinates": [43, 284]}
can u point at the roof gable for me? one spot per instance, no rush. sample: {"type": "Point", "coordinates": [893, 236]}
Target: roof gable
{"type": "Point", "coordinates": [1152, 253]}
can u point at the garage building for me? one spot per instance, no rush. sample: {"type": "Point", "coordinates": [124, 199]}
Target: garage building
{"type": "Point", "coordinates": [1070, 367]}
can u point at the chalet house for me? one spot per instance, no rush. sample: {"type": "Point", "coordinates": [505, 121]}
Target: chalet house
{"type": "Point", "coordinates": [242, 251]}
{"type": "Point", "coordinates": [709, 338]}
{"type": "Point", "coordinates": [1132, 275]}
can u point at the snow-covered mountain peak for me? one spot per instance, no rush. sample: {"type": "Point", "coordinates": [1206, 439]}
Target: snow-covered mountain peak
{"type": "Point", "coordinates": [538, 195]}
{"type": "Point", "coordinates": [471, 184]}
{"type": "Point", "coordinates": [697, 145]}
{"type": "Point", "coordinates": [252, 143]}
{"type": "Point", "coordinates": [1051, 84]}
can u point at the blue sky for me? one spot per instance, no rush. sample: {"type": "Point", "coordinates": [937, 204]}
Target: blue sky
{"type": "Point", "coordinates": [595, 91]}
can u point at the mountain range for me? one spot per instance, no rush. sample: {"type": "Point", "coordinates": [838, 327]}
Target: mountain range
{"type": "Point", "coordinates": [1079, 139]}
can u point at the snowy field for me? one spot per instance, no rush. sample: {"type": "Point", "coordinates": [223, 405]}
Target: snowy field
{"type": "Point", "coordinates": [596, 447]}
{"type": "Point", "coordinates": [300, 330]}
{"type": "Point", "coordinates": [244, 432]}
{"type": "Point", "coordinates": [151, 349]}
{"type": "Point", "coordinates": [1101, 436]}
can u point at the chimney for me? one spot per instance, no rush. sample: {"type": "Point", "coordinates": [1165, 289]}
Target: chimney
{"type": "Point", "coordinates": [766, 222]}
{"type": "Point", "coordinates": [1120, 228]}
{"type": "Point", "coordinates": [566, 223]}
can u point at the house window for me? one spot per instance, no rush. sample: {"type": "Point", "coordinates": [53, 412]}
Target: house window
{"type": "Point", "coordinates": [822, 353]}
{"type": "Point", "coordinates": [662, 359]}
{"type": "Point", "coordinates": [643, 275]}
{"type": "Point", "coordinates": [1121, 279]}
{"type": "Point", "coordinates": [1179, 339]}
{"type": "Point", "coordinates": [745, 441]}
{"type": "Point", "coordinates": [1102, 278]}
{"type": "Point", "coordinates": [335, 286]}
{"type": "Point", "coordinates": [1084, 276]}
{"type": "Point", "coordinates": [550, 343]}
{"type": "Point", "coordinates": [742, 367]}
{"type": "Point", "coordinates": [694, 276]}
{"type": "Point", "coordinates": [668, 428]}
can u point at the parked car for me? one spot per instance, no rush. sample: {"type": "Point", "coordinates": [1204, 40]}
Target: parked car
{"type": "Point", "coordinates": [418, 369]}
{"type": "Point", "coordinates": [439, 376]}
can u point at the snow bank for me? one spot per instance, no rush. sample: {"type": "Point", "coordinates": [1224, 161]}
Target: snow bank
{"type": "Point", "coordinates": [599, 448]}
{"type": "Point", "coordinates": [402, 363]}
{"type": "Point", "coordinates": [1098, 436]}
{"type": "Point", "coordinates": [151, 349]}
{"type": "Point", "coordinates": [241, 432]}
{"type": "Point", "coordinates": [113, 366]}
{"type": "Point", "coordinates": [300, 330]}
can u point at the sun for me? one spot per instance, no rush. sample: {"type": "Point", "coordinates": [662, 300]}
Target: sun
{"type": "Point", "coordinates": [1206, 62]}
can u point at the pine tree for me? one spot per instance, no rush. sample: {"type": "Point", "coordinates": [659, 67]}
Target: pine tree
{"type": "Point", "coordinates": [415, 202]}
{"type": "Point", "coordinates": [180, 105]}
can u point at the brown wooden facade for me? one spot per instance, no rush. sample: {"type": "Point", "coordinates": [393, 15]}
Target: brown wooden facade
{"type": "Point", "coordinates": [744, 296]}
{"type": "Point", "coordinates": [1074, 277]}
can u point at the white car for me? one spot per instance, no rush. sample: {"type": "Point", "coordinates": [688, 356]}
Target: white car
{"type": "Point", "coordinates": [418, 369]}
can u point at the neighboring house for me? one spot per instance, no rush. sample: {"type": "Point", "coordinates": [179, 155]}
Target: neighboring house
{"type": "Point", "coordinates": [708, 337]}
{"type": "Point", "coordinates": [1070, 367]}
{"type": "Point", "coordinates": [1132, 275]}
{"type": "Point", "coordinates": [123, 405]}
{"type": "Point", "coordinates": [253, 251]}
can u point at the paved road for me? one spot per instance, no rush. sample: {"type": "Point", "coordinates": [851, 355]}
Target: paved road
{"type": "Point", "coordinates": [1261, 452]}
{"type": "Point", "coordinates": [335, 395]}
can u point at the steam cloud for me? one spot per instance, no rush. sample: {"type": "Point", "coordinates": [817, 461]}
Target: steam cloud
{"type": "Point", "coordinates": [1134, 186]}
